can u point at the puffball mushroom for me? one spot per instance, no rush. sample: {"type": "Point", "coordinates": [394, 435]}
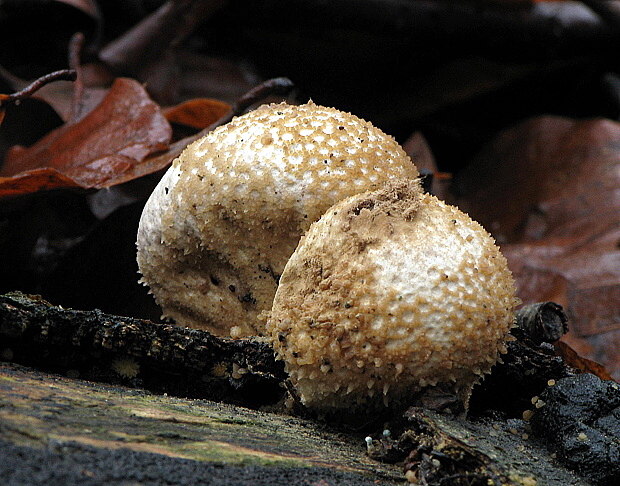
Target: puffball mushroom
{"type": "Point", "coordinates": [221, 224]}
{"type": "Point", "coordinates": [389, 292]}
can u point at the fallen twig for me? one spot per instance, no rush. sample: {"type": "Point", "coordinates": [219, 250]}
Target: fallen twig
{"type": "Point", "coordinates": [28, 91]}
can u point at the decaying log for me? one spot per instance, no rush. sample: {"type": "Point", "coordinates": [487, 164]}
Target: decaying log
{"type": "Point", "coordinates": [161, 358]}
{"type": "Point", "coordinates": [580, 417]}
{"type": "Point", "coordinates": [436, 449]}
{"type": "Point", "coordinates": [56, 430]}
{"type": "Point", "coordinates": [69, 431]}
{"type": "Point", "coordinates": [54, 419]}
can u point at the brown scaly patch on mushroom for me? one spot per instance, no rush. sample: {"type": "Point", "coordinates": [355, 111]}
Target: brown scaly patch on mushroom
{"type": "Point", "coordinates": [217, 231]}
{"type": "Point", "coordinates": [389, 292]}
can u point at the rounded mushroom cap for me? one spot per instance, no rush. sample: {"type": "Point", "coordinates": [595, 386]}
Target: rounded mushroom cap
{"type": "Point", "coordinates": [391, 291]}
{"type": "Point", "coordinates": [218, 229]}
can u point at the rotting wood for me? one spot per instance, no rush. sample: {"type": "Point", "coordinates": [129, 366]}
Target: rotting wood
{"type": "Point", "coordinates": [161, 358]}
{"type": "Point", "coordinates": [37, 409]}
{"type": "Point", "coordinates": [42, 413]}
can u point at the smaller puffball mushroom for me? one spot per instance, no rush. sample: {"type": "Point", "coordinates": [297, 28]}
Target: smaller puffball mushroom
{"type": "Point", "coordinates": [221, 224]}
{"type": "Point", "coordinates": [389, 292]}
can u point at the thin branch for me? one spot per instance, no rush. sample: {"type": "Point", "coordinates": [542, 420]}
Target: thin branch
{"type": "Point", "coordinates": [271, 87]}
{"type": "Point", "coordinates": [28, 91]}
{"type": "Point", "coordinates": [76, 45]}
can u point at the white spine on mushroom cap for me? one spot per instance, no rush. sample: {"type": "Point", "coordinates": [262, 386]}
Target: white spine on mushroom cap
{"type": "Point", "coordinates": [218, 229]}
{"type": "Point", "coordinates": [391, 291]}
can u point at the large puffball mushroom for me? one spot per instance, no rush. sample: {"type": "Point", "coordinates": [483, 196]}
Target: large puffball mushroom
{"type": "Point", "coordinates": [389, 292]}
{"type": "Point", "coordinates": [221, 224]}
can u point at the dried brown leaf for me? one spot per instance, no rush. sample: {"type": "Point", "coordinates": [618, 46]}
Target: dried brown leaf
{"type": "Point", "coordinates": [197, 113]}
{"type": "Point", "coordinates": [586, 365]}
{"type": "Point", "coordinates": [549, 190]}
{"type": "Point", "coordinates": [98, 151]}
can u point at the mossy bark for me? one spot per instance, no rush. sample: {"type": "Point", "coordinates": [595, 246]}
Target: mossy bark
{"type": "Point", "coordinates": [38, 409]}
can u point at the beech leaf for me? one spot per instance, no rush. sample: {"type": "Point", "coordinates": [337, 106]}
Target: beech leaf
{"type": "Point", "coordinates": [572, 359]}
{"type": "Point", "coordinates": [198, 113]}
{"type": "Point", "coordinates": [97, 151]}
{"type": "Point", "coordinates": [549, 191]}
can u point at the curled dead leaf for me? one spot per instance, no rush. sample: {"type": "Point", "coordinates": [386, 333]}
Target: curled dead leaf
{"type": "Point", "coordinates": [572, 359]}
{"type": "Point", "coordinates": [96, 152]}
{"type": "Point", "coordinates": [198, 113]}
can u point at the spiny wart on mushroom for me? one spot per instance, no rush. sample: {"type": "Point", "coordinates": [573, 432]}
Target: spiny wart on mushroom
{"type": "Point", "coordinates": [217, 231]}
{"type": "Point", "coordinates": [391, 291]}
